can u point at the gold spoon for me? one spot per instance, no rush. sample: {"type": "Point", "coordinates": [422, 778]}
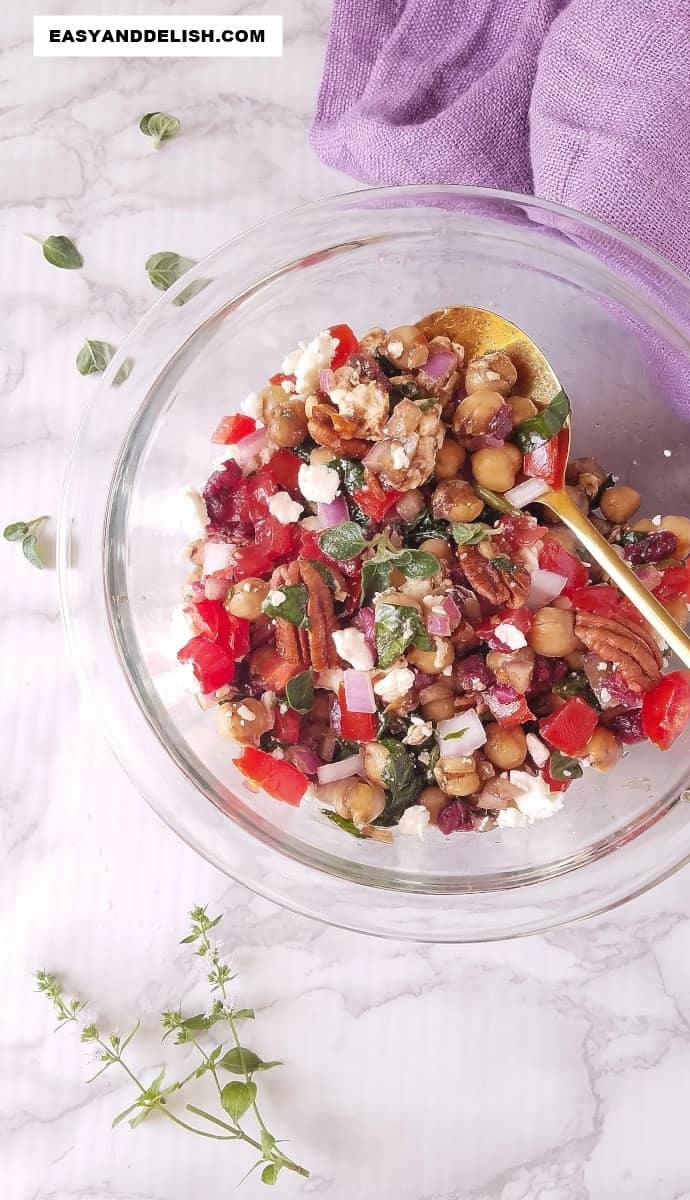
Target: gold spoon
{"type": "Point", "coordinates": [481, 332]}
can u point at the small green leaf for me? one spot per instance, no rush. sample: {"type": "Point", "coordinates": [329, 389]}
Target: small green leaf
{"type": "Point", "coordinates": [140, 1117]}
{"type": "Point", "coordinates": [59, 251]}
{"type": "Point", "coordinates": [289, 602]}
{"type": "Point", "coordinates": [503, 564]}
{"type": "Point", "coordinates": [424, 526]}
{"type": "Point", "coordinates": [16, 532]}
{"type": "Point", "coordinates": [401, 779]}
{"type": "Point", "coordinates": [416, 564]}
{"type": "Point", "coordinates": [448, 737]}
{"type": "Point", "coordinates": [343, 823]}
{"type": "Point", "coordinates": [410, 391]}
{"type": "Point", "coordinates": [268, 1143]}
{"type": "Point", "coordinates": [240, 1061]}
{"type": "Point", "coordinates": [576, 684]}
{"type": "Point", "coordinates": [30, 551]}
{"type": "Point", "coordinates": [93, 358]}
{"type": "Point", "coordinates": [243, 1014]}
{"type": "Point", "coordinates": [469, 533]}
{"type": "Point", "coordinates": [270, 1173]}
{"type": "Point", "coordinates": [165, 268]}
{"type": "Point", "coordinates": [237, 1097]}
{"type": "Point", "coordinates": [397, 627]}
{"type": "Point", "coordinates": [376, 577]}
{"type": "Point", "coordinates": [563, 767]}
{"type": "Point", "coordinates": [124, 1114]}
{"type": "Point", "coordinates": [187, 941]}
{"type": "Point", "coordinates": [544, 425]}
{"type": "Point", "coordinates": [160, 126]}
{"type": "Point", "coordinates": [343, 542]}
{"type": "Point", "coordinates": [389, 368]}
{"type": "Point", "coordinates": [299, 691]}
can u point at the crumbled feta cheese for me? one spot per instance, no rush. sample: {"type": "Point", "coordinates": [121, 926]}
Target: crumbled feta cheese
{"type": "Point", "coordinates": [395, 684]}
{"type": "Point", "coordinates": [330, 679]}
{"type": "Point", "coordinates": [306, 362]}
{"type": "Point", "coordinates": [418, 732]}
{"type": "Point", "coordinates": [511, 818]}
{"type": "Point", "coordinates": [275, 598]}
{"type": "Point", "coordinates": [414, 821]}
{"type": "Point", "coordinates": [440, 651]}
{"type": "Point", "coordinates": [447, 671]}
{"type": "Point", "coordinates": [318, 483]}
{"type": "Point", "coordinates": [193, 515]}
{"type": "Point", "coordinates": [244, 713]}
{"type": "Point", "coordinates": [311, 523]}
{"type": "Point", "coordinates": [278, 753]}
{"type": "Point", "coordinates": [351, 645]}
{"type": "Point", "coordinates": [268, 699]}
{"type": "Point", "coordinates": [253, 407]}
{"type": "Point", "coordinates": [395, 349]}
{"type": "Point", "coordinates": [284, 509]}
{"type": "Point", "coordinates": [539, 752]}
{"type": "Point", "coordinates": [510, 635]}
{"type": "Point", "coordinates": [424, 757]}
{"type": "Point", "coordinates": [399, 458]}
{"type": "Point", "coordinates": [534, 799]}
{"type": "Point", "coordinates": [601, 666]}
{"type": "Point", "coordinates": [656, 520]}
{"type": "Point", "coordinates": [667, 453]}
{"type": "Point", "coordinates": [287, 385]}
{"type": "Point", "coordinates": [604, 695]}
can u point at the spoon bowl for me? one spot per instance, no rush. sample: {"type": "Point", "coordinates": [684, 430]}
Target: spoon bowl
{"type": "Point", "coordinates": [481, 331]}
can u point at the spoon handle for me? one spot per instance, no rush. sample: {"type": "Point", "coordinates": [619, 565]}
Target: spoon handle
{"type": "Point", "coordinates": [620, 573]}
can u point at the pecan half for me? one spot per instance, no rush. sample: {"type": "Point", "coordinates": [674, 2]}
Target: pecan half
{"type": "Point", "coordinates": [626, 644]}
{"type": "Point", "coordinates": [502, 587]}
{"type": "Point", "coordinates": [314, 646]}
{"type": "Point", "coordinates": [321, 426]}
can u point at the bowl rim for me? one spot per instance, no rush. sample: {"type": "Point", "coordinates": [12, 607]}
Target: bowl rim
{"type": "Point", "coordinates": [64, 550]}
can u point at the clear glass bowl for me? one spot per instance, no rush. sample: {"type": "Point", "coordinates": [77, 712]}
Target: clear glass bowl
{"type": "Point", "coordinates": [609, 315]}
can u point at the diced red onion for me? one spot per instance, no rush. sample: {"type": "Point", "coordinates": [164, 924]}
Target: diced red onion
{"type": "Point", "coordinates": [379, 456]}
{"type": "Point", "coordinates": [248, 448]}
{"type": "Point", "coordinates": [330, 772]}
{"type": "Point", "coordinates": [526, 493]}
{"type": "Point", "coordinates": [326, 380]}
{"type": "Point", "coordinates": [439, 363]}
{"type": "Point", "coordinates": [217, 556]}
{"type": "Point", "coordinates": [437, 623]}
{"type": "Point", "coordinates": [454, 614]}
{"type": "Point", "coordinates": [215, 587]}
{"type": "Point", "coordinates": [332, 514]}
{"type": "Point", "coordinates": [359, 694]}
{"type": "Point", "coordinates": [304, 759]}
{"type": "Point", "coordinates": [473, 737]}
{"type": "Point", "coordinates": [544, 587]}
{"type": "Point", "coordinates": [649, 576]}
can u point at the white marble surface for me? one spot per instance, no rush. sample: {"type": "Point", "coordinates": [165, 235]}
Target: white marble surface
{"type": "Point", "coordinates": [550, 1069]}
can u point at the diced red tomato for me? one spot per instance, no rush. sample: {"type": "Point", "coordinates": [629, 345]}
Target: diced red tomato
{"type": "Point", "coordinates": [553, 556]}
{"type": "Point", "coordinates": [276, 776]}
{"type": "Point", "coordinates": [548, 462]}
{"type": "Point", "coordinates": [373, 500]}
{"type": "Point", "coordinates": [507, 707]}
{"type": "Point", "coordinates": [211, 619]}
{"type": "Point", "coordinates": [675, 581]}
{"type": "Point", "coordinates": [279, 378]}
{"type": "Point", "coordinates": [554, 785]}
{"type": "Point", "coordinates": [232, 429]}
{"type": "Point", "coordinates": [570, 727]}
{"type": "Point", "coordinates": [234, 634]}
{"type": "Point", "coordinates": [666, 709]}
{"type": "Point", "coordinates": [605, 601]}
{"type": "Point", "coordinates": [519, 618]}
{"type": "Point", "coordinates": [250, 561]}
{"type": "Point", "coordinates": [213, 666]}
{"type": "Point", "coordinates": [260, 487]}
{"type": "Point", "coordinates": [267, 665]}
{"type": "Point", "coordinates": [286, 727]}
{"type": "Point", "coordinates": [520, 531]}
{"type": "Point", "coordinates": [283, 467]}
{"type": "Point", "coordinates": [347, 344]}
{"type": "Point", "coordinates": [206, 616]}
{"type": "Point", "coordinates": [355, 727]}
{"type": "Point", "coordinates": [271, 536]}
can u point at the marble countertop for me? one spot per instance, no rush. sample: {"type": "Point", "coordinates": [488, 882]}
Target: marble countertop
{"type": "Point", "coordinates": [549, 1069]}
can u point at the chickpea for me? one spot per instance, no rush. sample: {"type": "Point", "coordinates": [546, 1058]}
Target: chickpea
{"type": "Point", "coordinates": [494, 468]}
{"type": "Point", "coordinates": [678, 609]}
{"type": "Point", "coordinates": [603, 750]}
{"type": "Point", "coordinates": [643, 526]}
{"type": "Point", "coordinates": [474, 414]}
{"type": "Point", "coordinates": [433, 800]}
{"type": "Point", "coordinates": [619, 504]}
{"type": "Point", "coordinates": [522, 408]}
{"type": "Point", "coordinates": [246, 599]}
{"type": "Point", "coordinates": [433, 662]}
{"type": "Point", "coordinates": [553, 632]}
{"type": "Point", "coordinates": [375, 760]}
{"type": "Point", "coordinates": [495, 372]}
{"type": "Point", "coordinates": [454, 500]}
{"type": "Point", "coordinates": [440, 549]}
{"type": "Point", "coordinates": [457, 775]}
{"type": "Point", "coordinates": [410, 505]}
{"type": "Point", "coordinates": [681, 527]}
{"type": "Point", "coordinates": [505, 748]}
{"type": "Point", "coordinates": [497, 794]}
{"type": "Point", "coordinates": [514, 454]}
{"type": "Point", "coordinates": [417, 588]}
{"type": "Point", "coordinates": [449, 459]}
{"type": "Point", "coordinates": [354, 799]}
{"type": "Point", "coordinates": [437, 702]}
{"type": "Point", "coordinates": [514, 668]}
{"type": "Point", "coordinates": [407, 347]}
{"type": "Point", "coordinates": [244, 721]}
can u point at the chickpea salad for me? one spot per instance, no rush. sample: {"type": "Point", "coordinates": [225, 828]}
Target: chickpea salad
{"type": "Point", "coordinates": [386, 621]}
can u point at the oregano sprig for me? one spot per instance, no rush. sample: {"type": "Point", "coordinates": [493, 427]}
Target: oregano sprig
{"type": "Point", "coordinates": [237, 1099]}
{"type": "Point", "coordinates": [25, 532]}
{"type": "Point", "coordinates": [59, 251]}
{"type": "Point", "coordinates": [159, 126]}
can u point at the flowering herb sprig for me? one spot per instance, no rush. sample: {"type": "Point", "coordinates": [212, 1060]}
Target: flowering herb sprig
{"type": "Point", "coordinates": [237, 1098]}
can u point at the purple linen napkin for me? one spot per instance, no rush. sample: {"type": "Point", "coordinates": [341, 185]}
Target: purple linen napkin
{"type": "Point", "coordinates": [585, 102]}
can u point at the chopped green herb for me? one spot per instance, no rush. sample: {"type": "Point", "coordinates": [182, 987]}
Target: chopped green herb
{"type": "Point", "coordinates": [322, 570]}
{"type": "Point", "coordinates": [289, 602]}
{"type": "Point", "coordinates": [343, 542]}
{"type": "Point", "coordinates": [389, 368]}
{"type": "Point", "coordinates": [424, 526]}
{"type": "Point", "coordinates": [609, 482]}
{"type": "Point", "coordinates": [576, 684]}
{"type": "Point", "coordinates": [434, 755]}
{"type": "Point", "coordinates": [409, 391]}
{"type": "Point", "coordinates": [631, 537]}
{"type": "Point", "coordinates": [352, 479]}
{"type": "Point", "coordinates": [449, 737]}
{"type": "Point", "coordinates": [469, 533]}
{"type": "Point", "coordinates": [402, 781]}
{"type": "Point", "coordinates": [493, 500]}
{"type": "Point", "coordinates": [503, 563]}
{"type": "Point", "coordinates": [59, 251]}
{"type": "Point", "coordinates": [345, 749]}
{"type": "Point", "coordinates": [563, 767]}
{"type": "Point", "coordinates": [343, 823]}
{"type": "Point", "coordinates": [397, 628]}
{"type": "Point", "coordinates": [299, 691]}
{"type": "Point", "coordinates": [304, 451]}
{"type": "Point", "coordinates": [190, 291]}
{"type": "Point", "coordinates": [544, 425]}
{"type": "Point", "coordinates": [376, 577]}
{"type": "Point", "coordinates": [159, 126]}
{"type": "Point", "coordinates": [416, 564]}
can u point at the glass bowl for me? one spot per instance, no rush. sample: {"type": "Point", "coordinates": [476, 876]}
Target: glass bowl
{"type": "Point", "coordinates": [609, 315]}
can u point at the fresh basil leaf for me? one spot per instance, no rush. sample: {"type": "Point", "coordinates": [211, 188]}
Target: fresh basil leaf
{"type": "Point", "coordinates": [424, 526]}
{"type": "Point", "coordinates": [493, 500]}
{"type": "Point", "coordinates": [190, 291]}
{"type": "Point", "coordinates": [576, 684]}
{"type": "Point", "coordinates": [159, 126]}
{"type": "Point", "coordinates": [376, 577]}
{"type": "Point", "coordinates": [503, 564]}
{"type": "Point", "coordinates": [469, 533]}
{"type": "Point", "coordinates": [416, 564]}
{"type": "Point", "coordinates": [299, 691]}
{"type": "Point", "coordinates": [289, 602]}
{"type": "Point", "coordinates": [397, 628]}
{"type": "Point", "coordinates": [609, 482]}
{"type": "Point", "coordinates": [389, 368]}
{"type": "Point", "coordinates": [402, 781]}
{"type": "Point", "coordinates": [93, 358]}
{"type": "Point", "coordinates": [16, 532]}
{"type": "Point", "coordinates": [343, 823]}
{"type": "Point", "coordinates": [165, 268]}
{"type": "Point", "coordinates": [343, 542]}
{"type": "Point", "coordinates": [563, 767]}
{"type": "Point", "coordinates": [59, 251]}
{"type": "Point", "coordinates": [449, 737]}
{"type": "Point", "coordinates": [240, 1061]}
{"type": "Point", "coordinates": [237, 1097]}
{"type": "Point", "coordinates": [544, 425]}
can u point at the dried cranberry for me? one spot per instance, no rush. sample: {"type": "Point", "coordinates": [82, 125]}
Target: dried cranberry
{"type": "Point", "coordinates": [547, 671]}
{"type": "Point", "coordinates": [628, 727]}
{"type": "Point", "coordinates": [662, 544]}
{"type": "Point", "coordinates": [219, 495]}
{"type": "Point", "coordinates": [422, 680]}
{"type": "Point", "coordinates": [457, 815]}
{"type": "Point", "coordinates": [471, 674]}
{"type": "Point", "coordinates": [608, 685]}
